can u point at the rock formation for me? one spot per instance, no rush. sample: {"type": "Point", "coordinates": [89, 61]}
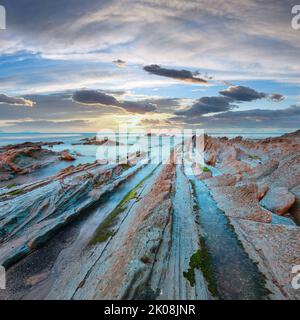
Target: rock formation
{"type": "Point", "coordinates": [28, 157]}
{"type": "Point", "coordinates": [133, 231]}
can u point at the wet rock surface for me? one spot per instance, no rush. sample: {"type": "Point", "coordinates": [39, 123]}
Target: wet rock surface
{"type": "Point", "coordinates": [133, 230]}
{"type": "Point", "coordinates": [240, 202]}
{"type": "Point", "coordinates": [28, 157]}
{"type": "Point", "coordinates": [295, 210]}
{"type": "Point", "coordinates": [276, 249]}
{"type": "Point", "coordinates": [260, 179]}
{"type": "Point", "coordinates": [278, 200]}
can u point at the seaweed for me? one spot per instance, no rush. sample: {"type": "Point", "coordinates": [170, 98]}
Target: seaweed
{"type": "Point", "coordinates": [15, 192]}
{"type": "Point", "coordinates": [201, 260]}
{"type": "Point", "coordinates": [104, 230]}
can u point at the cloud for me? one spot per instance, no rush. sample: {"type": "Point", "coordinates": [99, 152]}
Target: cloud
{"type": "Point", "coordinates": [277, 97]}
{"type": "Point", "coordinates": [225, 102]}
{"type": "Point", "coordinates": [233, 41]}
{"type": "Point", "coordinates": [138, 106]}
{"type": "Point", "coordinates": [120, 63]}
{"type": "Point", "coordinates": [155, 123]}
{"type": "Point", "coordinates": [183, 75]}
{"type": "Point", "coordinates": [54, 107]}
{"type": "Point", "coordinates": [241, 93]}
{"type": "Point", "coordinates": [4, 99]}
{"type": "Point", "coordinates": [257, 118]}
{"type": "Point", "coordinates": [95, 97]}
{"type": "Point", "coordinates": [242, 37]}
{"type": "Point", "coordinates": [167, 105]}
{"type": "Point", "coordinates": [206, 105]}
{"type": "Point", "coordinates": [42, 124]}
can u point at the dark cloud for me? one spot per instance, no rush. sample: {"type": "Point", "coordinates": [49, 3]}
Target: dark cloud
{"type": "Point", "coordinates": [225, 102]}
{"type": "Point", "coordinates": [277, 97]}
{"type": "Point", "coordinates": [207, 105]}
{"type": "Point", "coordinates": [241, 93]}
{"type": "Point", "coordinates": [138, 106]}
{"type": "Point", "coordinates": [53, 107]}
{"type": "Point", "coordinates": [257, 118]}
{"type": "Point", "coordinates": [183, 75]}
{"type": "Point", "coordinates": [95, 97]}
{"type": "Point", "coordinates": [166, 105]}
{"type": "Point", "coordinates": [120, 63]}
{"type": "Point", "coordinates": [91, 97]}
{"type": "Point", "coordinates": [4, 99]}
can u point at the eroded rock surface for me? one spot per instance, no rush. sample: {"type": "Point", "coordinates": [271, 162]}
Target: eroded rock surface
{"type": "Point", "coordinates": [99, 142]}
{"type": "Point", "coordinates": [31, 214]}
{"type": "Point", "coordinates": [295, 210]}
{"type": "Point", "coordinates": [276, 248]}
{"type": "Point", "coordinates": [278, 200]}
{"type": "Point", "coordinates": [240, 202]}
{"type": "Point", "coordinates": [28, 157]}
{"type": "Point", "coordinates": [255, 174]}
{"type": "Point", "coordinates": [145, 243]}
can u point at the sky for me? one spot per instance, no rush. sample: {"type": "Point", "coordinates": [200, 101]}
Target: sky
{"type": "Point", "coordinates": [84, 66]}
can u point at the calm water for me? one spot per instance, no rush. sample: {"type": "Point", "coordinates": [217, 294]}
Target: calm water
{"type": "Point", "coordinates": [160, 147]}
{"type": "Point", "coordinates": [237, 276]}
{"type": "Point", "coordinates": [85, 153]}
{"type": "Point", "coordinates": [69, 138]}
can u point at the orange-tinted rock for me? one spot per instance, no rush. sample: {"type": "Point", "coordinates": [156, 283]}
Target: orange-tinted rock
{"type": "Point", "coordinates": [278, 200]}
{"type": "Point", "coordinates": [295, 210]}
{"type": "Point", "coordinates": [24, 160]}
{"type": "Point", "coordinates": [222, 180]}
{"type": "Point", "coordinates": [262, 189]}
{"type": "Point", "coordinates": [65, 155]}
{"type": "Point", "coordinates": [240, 202]}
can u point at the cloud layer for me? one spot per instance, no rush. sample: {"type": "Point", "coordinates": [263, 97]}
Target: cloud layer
{"type": "Point", "coordinates": [206, 105]}
{"type": "Point", "coordinates": [257, 118]}
{"type": "Point", "coordinates": [241, 93]}
{"type": "Point", "coordinates": [162, 43]}
{"type": "Point", "coordinates": [4, 99]}
{"type": "Point", "coordinates": [244, 38]}
{"type": "Point", "coordinates": [225, 102]}
{"type": "Point", "coordinates": [94, 97]}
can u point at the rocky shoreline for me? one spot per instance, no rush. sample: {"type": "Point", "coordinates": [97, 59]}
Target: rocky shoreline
{"type": "Point", "coordinates": [138, 234]}
{"type": "Point", "coordinates": [260, 181]}
{"type": "Point", "coordinates": [28, 157]}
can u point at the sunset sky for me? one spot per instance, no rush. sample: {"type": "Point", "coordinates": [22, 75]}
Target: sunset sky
{"type": "Point", "coordinates": [73, 65]}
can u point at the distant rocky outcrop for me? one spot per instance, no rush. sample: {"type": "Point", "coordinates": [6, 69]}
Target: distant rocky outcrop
{"type": "Point", "coordinates": [29, 145]}
{"type": "Point", "coordinates": [26, 158]}
{"type": "Point", "coordinates": [97, 142]}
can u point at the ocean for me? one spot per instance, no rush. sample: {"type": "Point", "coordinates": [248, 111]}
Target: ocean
{"type": "Point", "coordinates": [70, 138]}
